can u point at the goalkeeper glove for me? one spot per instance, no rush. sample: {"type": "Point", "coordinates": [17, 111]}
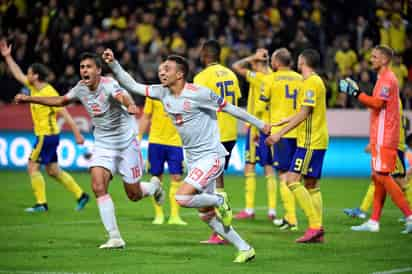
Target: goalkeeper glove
{"type": "Point", "coordinates": [349, 87]}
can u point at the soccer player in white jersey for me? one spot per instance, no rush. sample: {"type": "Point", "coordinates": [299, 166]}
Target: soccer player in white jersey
{"type": "Point", "coordinates": [116, 149]}
{"type": "Point", "coordinates": [193, 109]}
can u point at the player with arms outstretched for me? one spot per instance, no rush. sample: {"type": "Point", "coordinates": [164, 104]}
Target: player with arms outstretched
{"type": "Point", "coordinates": [256, 149]}
{"type": "Point", "coordinates": [47, 134]}
{"type": "Point", "coordinates": [384, 136]}
{"type": "Point", "coordinates": [116, 147]}
{"type": "Point", "coordinates": [192, 109]}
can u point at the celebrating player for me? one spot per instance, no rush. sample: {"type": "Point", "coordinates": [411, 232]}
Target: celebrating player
{"type": "Point", "coordinates": [224, 83]}
{"type": "Point", "coordinates": [282, 93]}
{"type": "Point", "coordinates": [192, 109]}
{"type": "Point", "coordinates": [164, 146]}
{"type": "Point", "coordinates": [384, 136]}
{"type": "Point", "coordinates": [116, 148]}
{"type": "Point", "coordinates": [312, 142]}
{"type": "Point", "coordinates": [47, 134]}
{"type": "Point", "coordinates": [256, 150]}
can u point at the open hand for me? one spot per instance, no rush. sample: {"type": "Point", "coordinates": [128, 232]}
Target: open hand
{"type": "Point", "coordinates": [5, 49]}
{"type": "Point", "coordinates": [273, 139]}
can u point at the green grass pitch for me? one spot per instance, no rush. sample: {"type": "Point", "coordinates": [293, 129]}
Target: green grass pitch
{"type": "Point", "coordinates": [65, 241]}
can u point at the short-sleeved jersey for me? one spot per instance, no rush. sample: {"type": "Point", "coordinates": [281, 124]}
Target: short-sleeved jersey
{"type": "Point", "coordinates": [282, 94]}
{"type": "Point", "coordinates": [257, 82]}
{"type": "Point", "coordinates": [162, 130]}
{"type": "Point", "coordinates": [385, 123]}
{"type": "Point", "coordinates": [44, 117]}
{"type": "Point", "coordinates": [313, 131]}
{"type": "Point", "coordinates": [114, 127]}
{"type": "Point", "coordinates": [224, 83]}
{"type": "Point", "coordinates": [193, 113]}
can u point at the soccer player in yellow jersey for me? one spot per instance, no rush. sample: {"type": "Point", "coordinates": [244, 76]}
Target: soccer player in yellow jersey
{"type": "Point", "coordinates": [224, 83]}
{"type": "Point", "coordinates": [312, 142]}
{"type": "Point", "coordinates": [165, 145]}
{"type": "Point", "coordinates": [399, 175]}
{"type": "Point", "coordinates": [256, 150]}
{"type": "Point", "coordinates": [47, 134]}
{"type": "Point", "coordinates": [282, 94]}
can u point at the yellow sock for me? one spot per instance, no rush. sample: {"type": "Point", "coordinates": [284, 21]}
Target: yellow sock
{"type": "Point", "coordinates": [39, 187]}
{"type": "Point", "coordinates": [368, 199]}
{"type": "Point", "coordinates": [271, 184]}
{"type": "Point", "coordinates": [408, 192]}
{"type": "Point", "coordinates": [158, 209]}
{"type": "Point", "coordinates": [317, 202]}
{"type": "Point", "coordinates": [288, 203]}
{"type": "Point", "coordinates": [250, 190]}
{"type": "Point", "coordinates": [220, 189]}
{"type": "Point", "coordinates": [174, 206]}
{"type": "Point", "coordinates": [69, 183]}
{"type": "Point", "coordinates": [305, 201]}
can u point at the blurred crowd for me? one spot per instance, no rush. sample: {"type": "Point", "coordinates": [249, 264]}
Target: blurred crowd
{"type": "Point", "coordinates": [142, 33]}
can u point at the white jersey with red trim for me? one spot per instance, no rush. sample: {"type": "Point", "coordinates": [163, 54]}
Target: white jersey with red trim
{"type": "Point", "coordinates": [114, 127]}
{"type": "Point", "coordinates": [193, 113]}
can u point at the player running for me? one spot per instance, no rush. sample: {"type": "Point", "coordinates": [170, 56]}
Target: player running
{"type": "Point", "coordinates": [192, 109]}
{"type": "Point", "coordinates": [116, 148]}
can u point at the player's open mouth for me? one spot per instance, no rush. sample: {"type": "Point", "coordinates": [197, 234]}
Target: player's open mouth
{"type": "Point", "coordinates": [86, 78]}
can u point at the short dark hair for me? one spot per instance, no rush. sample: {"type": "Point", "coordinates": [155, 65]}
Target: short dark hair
{"type": "Point", "coordinates": [181, 62]}
{"type": "Point", "coordinates": [385, 50]}
{"type": "Point", "coordinates": [41, 70]}
{"type": "Point", "coordinates": [212, 47]}
{"type": "Point", "coordinates": [283, 56]}
{"type": "Point", "coordinates": [312, 58]}
{"type": "Point", "coordinates": [93, 56]}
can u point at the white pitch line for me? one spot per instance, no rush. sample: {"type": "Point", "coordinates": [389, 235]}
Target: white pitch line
{"type": "Point", "coordinates": [397, 270]}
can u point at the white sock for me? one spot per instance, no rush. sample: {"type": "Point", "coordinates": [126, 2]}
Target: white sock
{"type": "Point", "coordinates": [148, 189]}
{"type": "Point", "coordinates": [200, 200]}
{"type": "Point", "coordinates": [249, 210]}
{"type": "Point", "coordinates": [106, 209]}
{"type": "Point", "coordinates": [228, 233]}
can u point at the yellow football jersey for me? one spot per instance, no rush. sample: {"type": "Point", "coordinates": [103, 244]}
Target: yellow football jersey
{"type": "Point", "coordinates": [44, 117]}
{"type": "Point", "coordinates": [282, 93]}
{"type": "Point", "coordinates": [257, 82]}
{"type": "Point", "coordinates": [223, 82]}
{"type": "Point", "coordinates": [162, 130]}
{"type": "Point", "coordinates": [313, 131]}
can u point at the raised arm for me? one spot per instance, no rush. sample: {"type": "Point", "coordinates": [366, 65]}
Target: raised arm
{"type": "Point", "coordinates": [69, 120]}
{"type": "Point", "coordinates": [14, 68]}
{"type": "Point", "coordinates": [126, 100]}
{"type": "Point", "coordinates": [240, 66]}
{"type": "Point", "coordinates": [122, 76]}
{"type": "Point", "coordinates": [53, 101]}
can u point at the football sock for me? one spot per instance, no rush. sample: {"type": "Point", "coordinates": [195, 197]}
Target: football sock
{"type": "Point", "coordinates": [39, 187]}
{"type": "Point", "coordinates": [368, 199]}
{"type": "Point", "coordinates": [378, 200]}
{"type": "Point", "coordinates": [288, 202]}
{"type": "Point", "coordinates": [220, 190]}
{"type": "Point", "coordinates": [227, 233]}
{"type": "Point", "coordinates": [271, 185]}
{"type": "Point", "coordinates": [69, 183]}
{"type": "Point", "coordinates": [157, 208]}
{"type": "Point", "coordinates": [396, 194]}
{"type": "Point", "coordinates": [174, 206]}
{"type": "Point", "coordinates": [317, 202]}
{"type": "Point", "coordinates": [107, 214]}
{"type": "Point", "coordinates": [250, 190]}
{"type": "Point", "coordinates": [408, 192]}
{"type": "Point", "coordinates": [305, 201]}
{"type": "Point", "coordinates": [200, 200]}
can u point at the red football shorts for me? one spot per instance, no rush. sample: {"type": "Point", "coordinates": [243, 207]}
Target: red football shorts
{"type": "Point", "coordinates": [383, 159]}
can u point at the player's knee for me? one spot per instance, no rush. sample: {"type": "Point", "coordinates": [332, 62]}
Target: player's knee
{"type": "Point", "coordinates": [183, 200]}
{"type": "Point", "coordinates": [134, 196]}
{"type": "Point", "coordinates": [207, 216]}
{"type": "Point", "coordinates": [176, 177]}
{"type": "Point", "coordinates": [98, 188]}
{"type": "Point", "coordinates": [52, 172]}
